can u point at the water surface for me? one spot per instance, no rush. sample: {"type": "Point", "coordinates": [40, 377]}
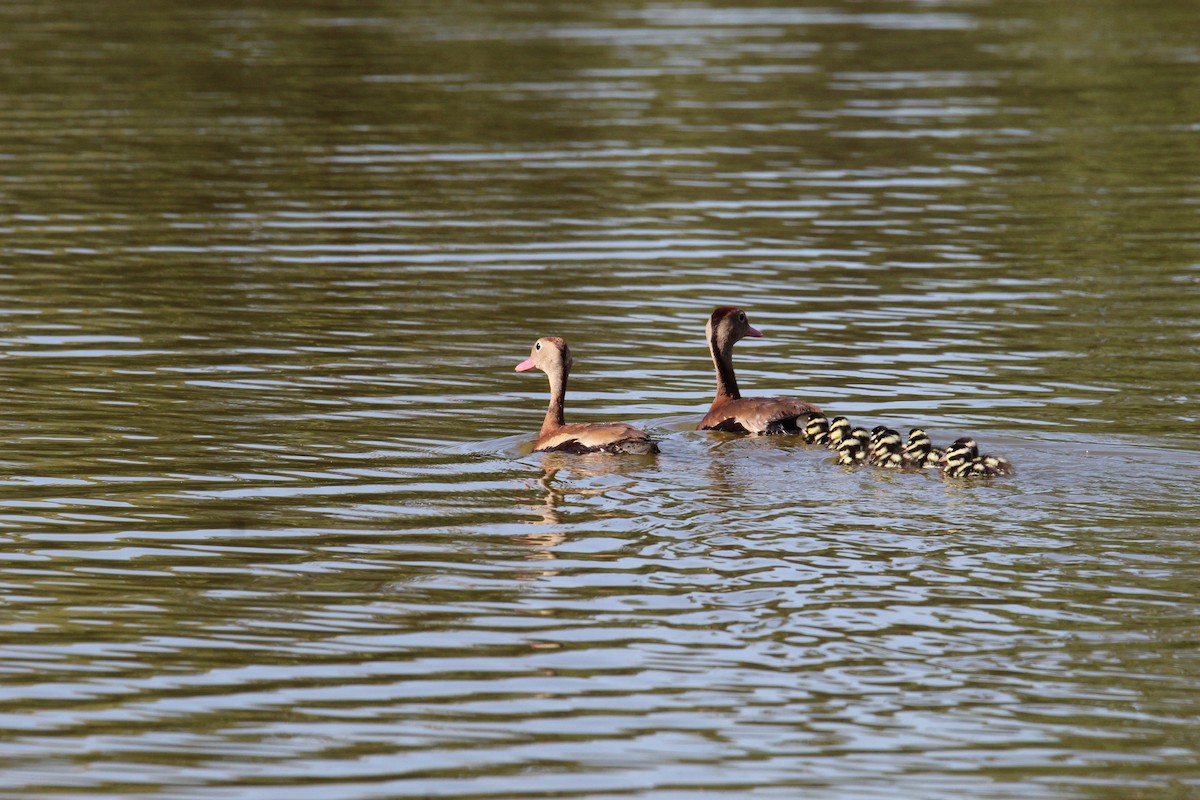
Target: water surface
{"type": "Point", "coordinates": [271, 525]}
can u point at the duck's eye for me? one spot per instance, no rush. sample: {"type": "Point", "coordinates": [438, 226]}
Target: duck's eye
{"type": "Point", "coordinates": [537, 345]}
{"type": "Point", "coordinates": [742, 317]}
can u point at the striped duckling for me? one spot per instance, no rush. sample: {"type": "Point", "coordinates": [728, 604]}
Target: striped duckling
{"type": "Point", "coordinates": [919, 452]}
{"type": "Point", "coordinates": [853, 447]}
{"type": "Point", "coordinates": [962, 460]}
{"type": "Point", "coordinates": [816, 430]}
{"type": "Point", "coordinates": [839, 429]}
{"type": "Point", "coordinates": [886, 448]}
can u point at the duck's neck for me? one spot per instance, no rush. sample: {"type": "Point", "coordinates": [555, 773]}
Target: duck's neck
{"type": "Point", "coordinates": [722, 356]}
{"type": "Point", "coordinates": [558, 393]}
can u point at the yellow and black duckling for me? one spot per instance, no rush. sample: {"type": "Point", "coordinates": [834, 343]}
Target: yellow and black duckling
{"type": "Point", "coordinates": [816, 430]}
{"type": "Point", "coordinates": [853, 447]}
{"type": "Point", "coordinates": [886, 448]}
{"type": "Point", "coordinates": [839, 429]}
{"type": "Point", "coordinates": [919, 452]}
{"type": "Point", "coordinates": [962, 460]}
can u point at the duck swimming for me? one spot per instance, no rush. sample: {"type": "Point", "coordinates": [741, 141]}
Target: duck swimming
{"type": "Point", "coordinates": [730, 411]}
{"type": "Point", "coordinates": [962, 460]}
{"type": "Point", "coordinates": [919, 452]}
{"type": "Point", "coordinates": [853, 448]}
{"type": "Point", "coordinates": [886, 448]}
{"type": "Point", "coordinates": [839, 429]}
{"type": "Point", "coordinates": [816, 430]}
{"type": "Point", "coordinates": [551, 355]}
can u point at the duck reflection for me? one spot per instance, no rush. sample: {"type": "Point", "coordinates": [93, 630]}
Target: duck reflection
{"type": "Point", "coordinates": [552, 492]}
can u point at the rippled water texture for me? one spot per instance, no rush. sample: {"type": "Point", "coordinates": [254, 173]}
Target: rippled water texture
{"type": "Point", "coordinates": [270, 524]}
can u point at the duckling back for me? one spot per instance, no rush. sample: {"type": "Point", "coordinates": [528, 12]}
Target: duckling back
{"type": "Point", "coordinates": [839, 429]}
{"type": "Point", "coordinates": [854, 447]}
{"type": "Point", "coordinates": [886, 448]}
{"type": "Point", "coordinates": [816, 430]}
{"type": "Point", "coordinates": [962, 460]}
{"type": "Point", "coordinates": [919, 452]}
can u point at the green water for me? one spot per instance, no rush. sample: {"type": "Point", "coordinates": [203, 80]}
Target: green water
{"type": "Point", "coordinates": [269, 527]}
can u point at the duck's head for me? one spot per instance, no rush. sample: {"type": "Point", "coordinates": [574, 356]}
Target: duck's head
{"type": "Point", "coordinates": [728, 325]}
{"type": "Point", "coordinates": [550, 354]}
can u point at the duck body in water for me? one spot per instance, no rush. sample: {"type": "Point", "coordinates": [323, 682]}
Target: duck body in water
{"type": "Point", "coordinates": [886, 448]}
{"type": "Point", "coordinates": [919, 452]}
{"type": "Point", "coordinates": [854, 447]}
{"type": "Point", "coordinates": [962, 460]}
{"type": "Point", "coordinates": [551, 355]}
{"type": "Point", "coordinates": [729, 410]}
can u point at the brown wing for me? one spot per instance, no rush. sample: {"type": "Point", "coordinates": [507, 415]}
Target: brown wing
{"type": "Point", "coordinates": [759, 415]}
{"type": "Point", "coordinates": [589, 437]}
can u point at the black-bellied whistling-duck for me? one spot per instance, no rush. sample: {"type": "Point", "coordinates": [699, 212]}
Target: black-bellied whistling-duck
{"type": "Point", "coordinates": [551, 355]}
{"type": "Point", "coordinates": [996, 465]}
{"type": "Point", "coordinates": [816, 430]}
{"type": "Point", "coordinates": [962, 460]}
{"type": "Point", "coordinates": [852, 448]}
{"type": "Point", "coordinates": [886, 448]}
{"type": "Point", "coordinates": [732, 412]}
{"type": "Point", "coordinates": [839, 429]}
{"type": "Point", "coordinates": [919, 452]}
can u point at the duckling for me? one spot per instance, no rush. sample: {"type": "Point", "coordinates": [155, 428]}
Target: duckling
{"type": "Point", "coordinates": [996, 465]}
{"type": "Point", "coordinates": [839, 429]}
{"type": "Point", "coordinates": [886, 449]}
{"type": "Point", "coordinates": [962, 460]}
{"type": "Point", "coordinates": [852, 449]}
{"type": "Point", "coordinates": [919, 452]}
{"type": "Point", "coordinates": [816, 430]}
{"type": "Point", "coordinates": [876, 432]}
{"type": "Point", "coordinates": [960, 457]}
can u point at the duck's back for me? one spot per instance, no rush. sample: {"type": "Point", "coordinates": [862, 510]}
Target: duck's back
{"type": "Point", "coordinates": [587, 437]}
{"type": "Point", "coordinates": [758, 415]}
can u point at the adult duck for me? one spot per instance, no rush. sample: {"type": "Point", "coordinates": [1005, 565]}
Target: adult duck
{"type": "Point", "coordinates": [730, 411]}
{"type": "Point", "coordinates": [551, 355]}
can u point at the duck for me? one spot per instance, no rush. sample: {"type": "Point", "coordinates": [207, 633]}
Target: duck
{"type": "Point", "coordinates": [816, 430]}
{"type": "Point", "coordinates": [853, 447]}
{"type": "Point", "coordinates": [886, 448]}
{"type": "Point", "coordinates": [839, 429]}
{"type": "Point", "coordinates": [962, 460]}
{"type": "Point", "coordinates": [551, 355]}
{"type": "Point", "coordinates": [919, 452]}
{"type": "Point", "coordinates": [730, 411]}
